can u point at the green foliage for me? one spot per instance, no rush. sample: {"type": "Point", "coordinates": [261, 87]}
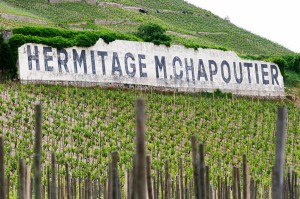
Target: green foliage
{"type": "Point", "coordinates": [103, 120]}
{"type": "Point", "coordinates": [66, 38]}
{"type": "Point", "coordinates": [6, 62]}
{"type": "Point", "coordinates": [174, 15]}
{"type": "Point", "coordinates": [293, 62]}
{"type": "Point", "coordinates": [292, 79]}
{"type": "Point", "coordinates": [281, 62]}
{"type": "Point", "coordinates": [151, 32]}
{"type": "Point", "coordinates": [289, 62]}
{"type": "Point", "coordinates": [57, 38]}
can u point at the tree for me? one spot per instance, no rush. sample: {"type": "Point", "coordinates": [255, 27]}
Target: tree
{"type": "Point", "coordinates": [151, 32]}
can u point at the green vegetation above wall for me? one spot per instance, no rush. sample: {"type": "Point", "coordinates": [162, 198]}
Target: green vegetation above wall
{"type": "Point", "coordinates": [185, 23]}
{"type": "Point", "coordinates": [54, 37]}
{"type": "Point", "coordinates": [153, 33]}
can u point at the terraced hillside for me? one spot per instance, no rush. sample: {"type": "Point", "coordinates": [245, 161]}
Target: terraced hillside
{"type": "Point", "coordinates": [84, 125]}
{"type": "Point", "coordinates": [187, 24]}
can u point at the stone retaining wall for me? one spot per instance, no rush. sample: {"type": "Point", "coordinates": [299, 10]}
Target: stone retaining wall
{"type": "Point", "coordinates": [60, 1]}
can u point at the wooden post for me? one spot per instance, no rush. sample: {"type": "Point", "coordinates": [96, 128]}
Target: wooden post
{"type": "Point", "coordinates": [80, 190]}
{"type": "Point", "coordinates": [105, 189]}
{"type": "Point", "coordinates": [114, 165]}
{"type": "Point", "coordinates": [234, 184]}
{"type": "Point", "coordinates": [238, 183]}
{"type": "Point", "coordinates": [128, 184]}
{"type": "Point", "coordinates": [296, 188]}
{"type": "Point", "coordinates": [48, 183]}
{"type": "Point", "coordinates": [53, 172]}
{"type": "Point", "coordinates": [167, 181]}
{"type": "Point", "coordinates": [281, 129]}
{"type": "Point", "coordinates": [181, 179]}
{"type": "Point", "coordinates": [161, 185]}
{"type": "Point", "coordinates": [68, 182]}
{"type": "Point", "coordinates": [37, 167]}
{"type": "Point", "coordinates": [186, 195]}
{"type": "Point", "coordinates": [149, 181]}
{"type": "Point", "coordinates": [89, 186]}
{"type": "Point", "coordinates": [2, 171]}
{"type": "Point", "coordinates": [140, 171]}
{"type": "Point", "coordinates": [28, 182]}
{"type": "Point", "coordinates": [21, 179]}
{"type": "Point", "coordinates": [59, 191]}
{"type": "Point", "coordinates": [7, 186]}
{"type": "Point", "coordinates": [202, 172]}
{"type": "Point", "coordinates": [196, 168]}
{"type": "Point", "coordinates": [207, 182]}
{"type": "Point", "coordinates": [177, 195]}
{"type": "Point", "coordinates": [154, 187]}
{"type": "Point", "coordinates": [219, 188]}
{"type": "Point", "coordinates": [246, 179]}
{"type": "Point", "coordinates": [133, 179]}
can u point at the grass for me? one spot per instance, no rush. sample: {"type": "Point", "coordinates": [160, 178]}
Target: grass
{"type": "Point", "coordinates": [195, 20]}
{"type": "Point", "coordinates": [292, 79]}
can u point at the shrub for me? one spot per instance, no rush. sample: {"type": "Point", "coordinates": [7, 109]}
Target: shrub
{"type": "Point", "coordinates": [53, 37]}
{"type": "Point", "coordinates": [293, 62]}
{"type": "Point", "coordinates": [281, 62]}
{"type": "Point", "coordinates": [6, 60]}
{"type": "Point", "coordinates": [151, 32]}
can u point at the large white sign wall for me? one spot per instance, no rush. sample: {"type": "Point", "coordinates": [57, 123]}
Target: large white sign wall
{"type": "Point", "coordinates": [139, 63]}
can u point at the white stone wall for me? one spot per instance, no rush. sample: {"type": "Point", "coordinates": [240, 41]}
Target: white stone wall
{"type": "Point", "coordinates": [140, 63]}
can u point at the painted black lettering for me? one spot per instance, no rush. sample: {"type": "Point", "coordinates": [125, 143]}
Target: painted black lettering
{"type": "Point", "coordinates": [62, 62]}
{"type": "Point", "coordinates": [160, 65]}
{"type": "Point", "coordinates": [248, 65]}
{"type": "Point", "coordinates": [102, 55]}
{"type": "Point", "coordinates": [93, 62]}
{"type": "Point", "coordinates": [116, 66]}
{"type": "Point", "coordinates": [201, 70]}
{"type": "Point", "coordinates": [213, 69]}
{"type": "Point", "coordinates": [238, 80]}
{"type": "Point", "coordinates": [264, 73]}
{"type": "Point", "coordinates": [225, 64]}
{"type": "Point", "coordinates": [79, 60]}
{"type": "Point", "coordinates": [33, 57]}
{"type": "Point", "coordinates": [256, 74]}
{"type": "Point", "coordinates": [189, 68]}
{"type": "Point", "coordinates": [132, 65]}
{"type": "Point", "coordinates": [177, 59]}
{"type": "Point", "coordinates": [142, 65]}
{"type": "Point", "coordinates": [47, 58]}
{"type": "Point", "coordinates": [274, 74]}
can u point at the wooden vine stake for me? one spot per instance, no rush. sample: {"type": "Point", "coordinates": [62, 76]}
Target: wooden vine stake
{"type": "Point", "coordinates": [68, 182]}
{"type": "Point", "coordinates": [37, 152]}
{"type": "Point", "coordinates": [202, 189]}
{"type": "Point", "coordinates": [2, 173]}
{"type": "Point", "coordinates": [196, 169]}
{"type": "Point", "coordinates": [246, 179]}
{"type": "Point", "coordinates": [21, 183]}
{"type": "Point", "coordinates": [115, 174]}
{"type": "Point", "coordinates": [28, 182]}
{"type": "Point", "coordinates": [140, 171]}
{"type": "Point", "coordinates": [149, 181]}
{"type": "Point", "coordinates": [53, 182]}
{"type": "Point", "coordinates": [281, 129]}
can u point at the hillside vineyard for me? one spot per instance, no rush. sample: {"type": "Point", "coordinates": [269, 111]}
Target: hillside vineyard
{"type": "Point", "coordinates": [83, 126]}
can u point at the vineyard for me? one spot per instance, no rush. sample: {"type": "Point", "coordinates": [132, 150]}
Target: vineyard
{"type": "Point", "coordinates": [82, 127]}
{"type": "Point", "coordinates": [173, 15]}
